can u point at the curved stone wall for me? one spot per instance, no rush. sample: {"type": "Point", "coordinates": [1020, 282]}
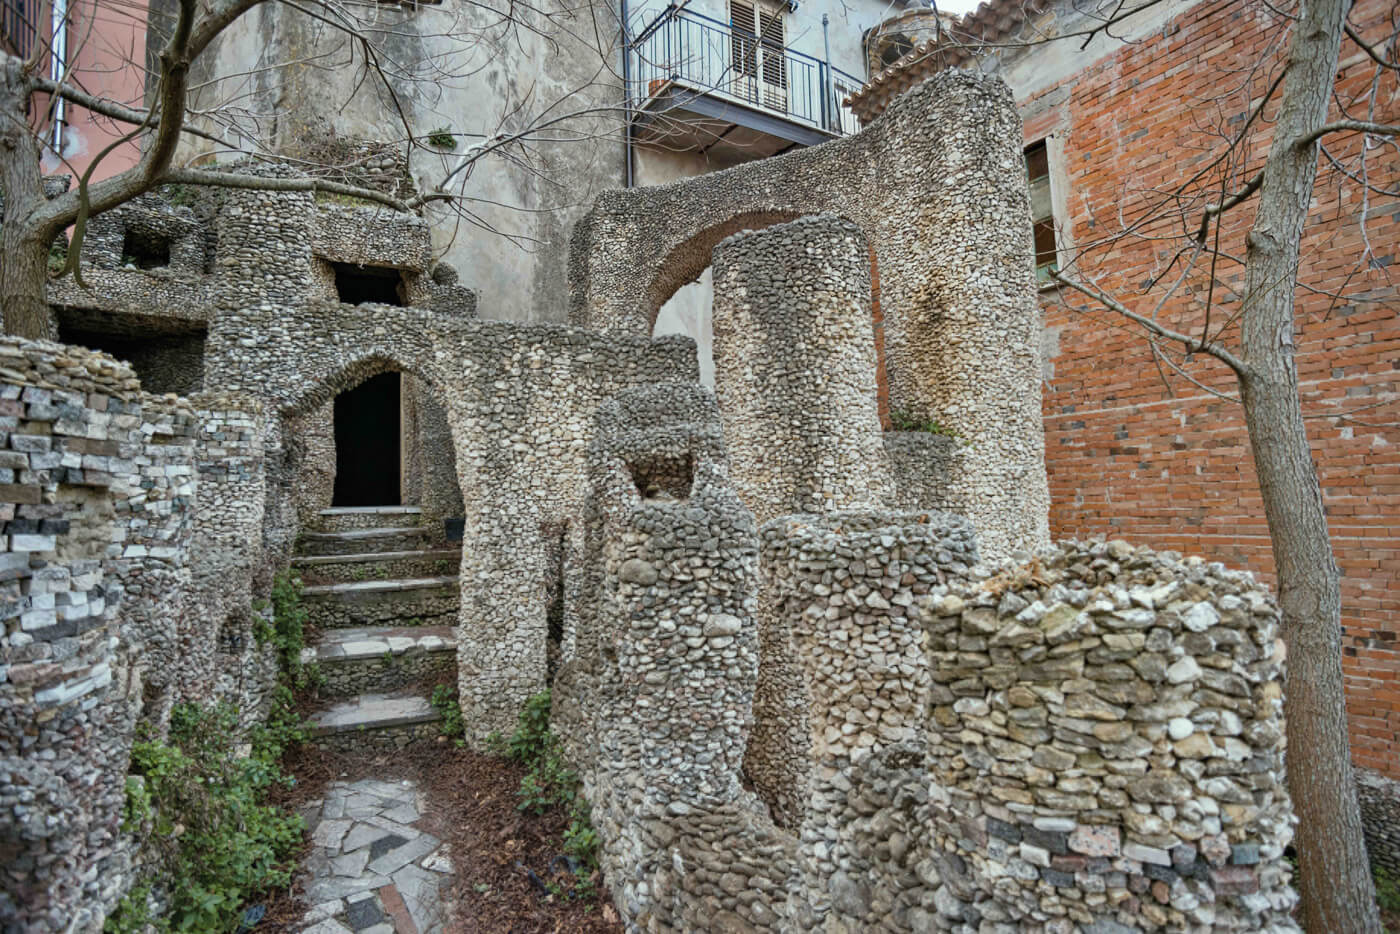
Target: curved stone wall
{"type": "Point", "coordinates": [68, 698]}
{"type": "Point", "coordinates": [665, 673]}
{"type": "Point", "coordinates": [153, 570]}
{"type": "Point", "coordinates": [229, 568]}
{"type": "Point", "coordinates": [845, 586]}
{"type": "Point", "coordinates": [1107, 736]}
{"type": "Point", "coordinates": [795, 368]}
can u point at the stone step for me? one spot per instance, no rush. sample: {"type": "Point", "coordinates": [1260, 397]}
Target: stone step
{"type": "Point", "coordinates": [349, 518]}
{"type": "Point", "coordinates": [387, 658]}
{"type": "Point", "coordinates": [381, 720]}
{"type": "Point", "coordinates": [383, 565]}
{"type": "Point", "coordinates": [363, 541]}
{"type": "Point", "coordinates": [417, 601]}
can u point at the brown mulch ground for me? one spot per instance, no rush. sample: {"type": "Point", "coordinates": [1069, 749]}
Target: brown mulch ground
{"type": "Point", "coordinates": [471, 803]}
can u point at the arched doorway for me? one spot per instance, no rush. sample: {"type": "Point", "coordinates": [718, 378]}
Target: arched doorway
{"type": "Point", "coordinates": [368, 443]}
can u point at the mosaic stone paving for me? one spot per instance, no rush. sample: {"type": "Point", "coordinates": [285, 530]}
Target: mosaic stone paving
{"type": "Point", "coordinates": [373, 871]}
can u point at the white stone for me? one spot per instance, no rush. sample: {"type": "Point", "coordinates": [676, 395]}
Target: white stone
{"type": "Point", "coordinates": [1183, 670]}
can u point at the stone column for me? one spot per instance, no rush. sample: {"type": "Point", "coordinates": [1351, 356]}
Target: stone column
{"type": "Point", "coordinates": [846, 585]}
{"type": "Point", "coordinates": [795, 375]}
{"type": "Point", "coordinates": [68, 696]}
{"type": "Point", "coordinates": [795, 368]}
{"type": "Point", "coordinates": [153, 572]}
{"type": "Point", "coordinates": [227, 561]}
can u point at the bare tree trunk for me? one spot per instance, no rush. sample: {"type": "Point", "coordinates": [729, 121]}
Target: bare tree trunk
{"type": "Point", "coordinates": [1336, 885]}
{"type": "Point", "coordinates": [24, 251]}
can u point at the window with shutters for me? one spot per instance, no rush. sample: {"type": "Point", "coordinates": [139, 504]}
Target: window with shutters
{"type": "Point", "coordinates": [758, 53]}
{"type": "Point", "coordinates": [1042, 210]}
{"type": "Point", "coordinates": [17, 18]}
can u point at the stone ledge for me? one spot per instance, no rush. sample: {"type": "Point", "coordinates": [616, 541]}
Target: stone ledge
{"type": "Point", "coordinates": [359, 541]}
{"type": "Point", "coordinates": [354, 589]}
{"type": "Point", "coordinates": [348, 645]}
{"type": "Point", "coordinates": [376, 557]}
{"type": "Point", "coordinates": [373, 712]}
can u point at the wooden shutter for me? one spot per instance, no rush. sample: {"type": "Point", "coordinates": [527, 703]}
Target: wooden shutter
{"type": "Point", "coordinates": [770, 22]}
{"type": "Point", "coordinates": [743, 45]}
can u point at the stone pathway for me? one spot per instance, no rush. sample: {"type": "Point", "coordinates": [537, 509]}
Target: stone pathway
{"type": "Point", "coordinates": [373, 871]}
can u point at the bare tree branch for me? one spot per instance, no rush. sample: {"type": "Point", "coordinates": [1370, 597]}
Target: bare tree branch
{"type": "Point", "coordinates": [1350, 126]}
{"type": "Point", "coordinates": [1192, 344]}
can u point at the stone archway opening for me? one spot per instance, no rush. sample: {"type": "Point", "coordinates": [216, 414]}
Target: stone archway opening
{"type": "Point", "coordinates": [690, 313]}
{"type": "Point", "coordinates": [368, 427]}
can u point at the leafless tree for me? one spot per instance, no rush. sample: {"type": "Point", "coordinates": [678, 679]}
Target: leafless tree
{"type": "Point", "coordinates": [1242, 276]}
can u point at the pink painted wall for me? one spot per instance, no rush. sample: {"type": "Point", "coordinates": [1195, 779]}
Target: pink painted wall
{"type": "Point", "coordinates": [107, 58]}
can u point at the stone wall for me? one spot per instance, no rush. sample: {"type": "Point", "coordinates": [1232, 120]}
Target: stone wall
{"type": "Point", "coordinates": [919, 462]}
{"type": "Point", "coordinates": [310, 440]}
{"type": "Point", "coordinates": [521, 403]}
{"type": "Point", "coordinates": [655, 704]}
{"type": "Point", "coordinates": [795, 379]}
{"type": "Point", "coordinates": [72, 429]}
{"type": "Point", "coordinates": [1107, 744]}
{"type": "Point", "coordinates": [936, 186]}
{"type": "Point", "coordinates": [1380, 819]}
{"type": "Point", "coordinates": [845, 588]}
{"type": "Point", "coordinates": [795, 368]}
{"type": "Point", "coordinates": [132, 524]}
{"type": "Point", "coordinates": [1089, 740]}
{"type": "Point", "coordinates": [230, 569]}
{"type": "Point", "coordinates": [153, 569]}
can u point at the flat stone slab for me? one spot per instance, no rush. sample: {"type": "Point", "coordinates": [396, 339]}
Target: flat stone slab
{"type": "Point", "coordinates": [358, 541]}
{"type": "Point", "coordinates": [349, 645]}
{"type": "Point", "coordinates": [371, 711]}
{"type": "Point", "coordinates": [355, 589]}
{"type": "Point", "coordinates": [359, 535]}
{"type": "Point", "coordinates": [372, 511]}
{"type": "Point", "coordinates": [376, 557]}
{"type": "Point", "coordinates": [372, 880]}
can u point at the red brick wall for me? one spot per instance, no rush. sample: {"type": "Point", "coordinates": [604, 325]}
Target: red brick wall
{"type": "Point", "coordinates": [1166, 463]}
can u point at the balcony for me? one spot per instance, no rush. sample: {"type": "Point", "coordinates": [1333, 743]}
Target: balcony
{"type": "Point", "coordinates": [699, 83]}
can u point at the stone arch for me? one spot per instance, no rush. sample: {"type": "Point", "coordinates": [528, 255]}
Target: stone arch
{"type": "Point", "coordinates": [431, 445]}
{"type": "Point", "coordinates": [326, 386]}
{"type": "Point", "coordinates": [687, 259]}
{"type": "Point", "coordinates": [936, 185]}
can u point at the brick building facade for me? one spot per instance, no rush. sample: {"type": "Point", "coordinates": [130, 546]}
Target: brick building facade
{"type": "Point", "coordinates": [1134, 448]}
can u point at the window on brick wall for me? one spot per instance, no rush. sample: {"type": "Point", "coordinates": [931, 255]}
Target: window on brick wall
{"type": "Point", "coordinates": [1042, 210]}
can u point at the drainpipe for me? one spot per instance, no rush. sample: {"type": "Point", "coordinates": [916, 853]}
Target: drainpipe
{"type": "Point", "coordinates": [827, 109]}
{"type": "Point", "coordinates": [58, 65]}
{"type": "Point", "coordinates": [626, 94]}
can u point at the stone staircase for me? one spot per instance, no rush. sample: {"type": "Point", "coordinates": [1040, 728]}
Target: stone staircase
{"type": "Point", "coordinates": [384, 602]}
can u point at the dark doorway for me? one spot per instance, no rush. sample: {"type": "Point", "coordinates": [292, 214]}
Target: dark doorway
{"type": "Point", "coordinates": [367, 443]}
{"type": "Point", "coordinates": [166, 353]}
{"type": "Point", "coordinates": [355, 285]}
{"type": "Point", "coordinates": [145, 250]}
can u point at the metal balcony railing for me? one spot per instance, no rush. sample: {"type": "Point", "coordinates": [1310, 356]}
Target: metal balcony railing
{"type": "Point", "coordinates": [706, 56]}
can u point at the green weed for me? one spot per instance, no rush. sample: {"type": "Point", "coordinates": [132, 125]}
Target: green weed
{"type": "Point", "coordinates": [200, 810]}
{"type": "Point", "coordinates": [906, 421]}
